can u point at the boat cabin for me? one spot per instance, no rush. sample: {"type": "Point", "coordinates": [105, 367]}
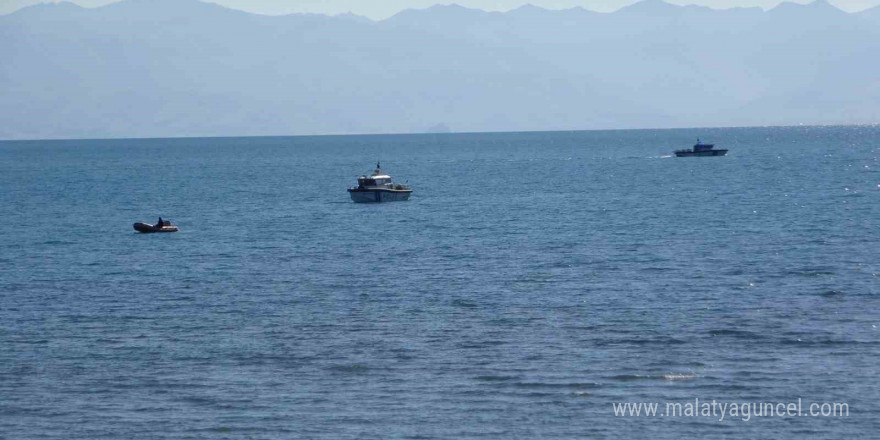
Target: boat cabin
{"type": "Point", "coordinates": [699, 146]}
{"type": "Point", "coordinates": [374, 180]}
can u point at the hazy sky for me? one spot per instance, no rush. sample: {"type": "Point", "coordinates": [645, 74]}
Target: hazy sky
{"type": "Point", "coordinates": [378, 9]}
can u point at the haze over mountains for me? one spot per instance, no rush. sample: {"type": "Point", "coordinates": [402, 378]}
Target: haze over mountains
{"type": "Point", "coordinates": [153, 68]}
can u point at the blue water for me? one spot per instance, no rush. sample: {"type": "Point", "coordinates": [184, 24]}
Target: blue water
{"type": "Point", "coordinates": [532, 280]}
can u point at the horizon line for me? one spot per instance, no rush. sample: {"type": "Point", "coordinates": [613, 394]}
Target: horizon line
{"type": "Point", "coordinates": [727, 127]}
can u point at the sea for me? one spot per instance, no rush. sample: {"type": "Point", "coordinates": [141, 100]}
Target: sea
{"type": "Point", "coordinates": [532, 284]}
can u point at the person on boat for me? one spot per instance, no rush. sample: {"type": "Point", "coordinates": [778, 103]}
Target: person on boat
{"type": "Point", "coordinates": [159, 223]}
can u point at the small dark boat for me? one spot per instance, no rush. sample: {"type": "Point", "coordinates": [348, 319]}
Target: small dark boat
{"type": "Point", "coordinates": [701, 149]}
{"type": "Point", "coordinates": [166, 226]}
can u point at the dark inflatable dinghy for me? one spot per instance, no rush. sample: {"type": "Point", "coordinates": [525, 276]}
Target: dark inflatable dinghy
{"type": "Point", "coordinates": [147, 228]}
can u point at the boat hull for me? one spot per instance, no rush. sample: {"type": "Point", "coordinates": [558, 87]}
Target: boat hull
{"type": "Point", "coordinates": [378, 195]}
{"type": "Point", "coordinates": [147, 228]}
{"type": "Point", "coordinates": [700, 153]}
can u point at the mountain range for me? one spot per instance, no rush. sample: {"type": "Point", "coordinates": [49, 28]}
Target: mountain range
{"type": "Point", "coordinates": [157, 68]}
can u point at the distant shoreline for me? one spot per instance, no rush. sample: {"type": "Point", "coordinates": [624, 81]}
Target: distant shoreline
{"type": "Point", "coordinates": [453, 133]}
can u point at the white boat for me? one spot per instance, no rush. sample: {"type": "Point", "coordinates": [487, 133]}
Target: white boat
{"type": "Point", "coordinates": [378, 187]}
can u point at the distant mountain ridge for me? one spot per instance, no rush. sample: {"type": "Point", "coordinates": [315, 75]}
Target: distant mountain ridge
{"type": "Point", "coordinates": [187, 68]}
{"type": "Point", "coordinates": [442, 11]}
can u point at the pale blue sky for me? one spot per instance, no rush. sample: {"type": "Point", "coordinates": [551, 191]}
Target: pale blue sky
{"type": "Point", "coordinates": [379, 9]}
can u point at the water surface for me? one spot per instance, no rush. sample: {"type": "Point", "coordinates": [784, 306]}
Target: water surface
{"type": "Point", "coordinates": [532, 280]}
